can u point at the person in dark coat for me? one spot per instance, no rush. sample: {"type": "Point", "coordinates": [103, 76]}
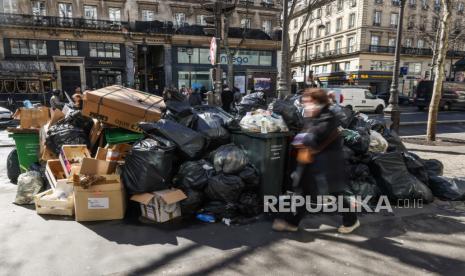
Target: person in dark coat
{"type": "Point", "coordinates": [195, 98]}
{"type": "Point", "coordinates": [326, 175]}
{"type": "Point", "coordinates": [227, 98]}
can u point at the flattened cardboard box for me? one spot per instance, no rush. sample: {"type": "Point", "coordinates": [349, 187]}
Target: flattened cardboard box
{"type": "Point", "coordinates": [105, 200]}
{"type": "Point", "coordinates": [160, 206]}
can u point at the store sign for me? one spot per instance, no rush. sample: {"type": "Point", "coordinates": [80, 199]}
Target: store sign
{"type": "Point", "coordinates": [239, 59]}
{"type": "Point", "coordinates": [105, 62]}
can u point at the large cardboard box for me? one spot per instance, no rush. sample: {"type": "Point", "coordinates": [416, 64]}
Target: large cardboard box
{"type": "Point", "coordinates": [104, 200]}
{"type": "Point", "coordinates": [160, 206]}
{"type": "Point", "coordinates": [32, 117]}
{"type": "Point", "coordinates": [71, 157]}
{"type": "Point", "coordinates": [54, 172]}
{"type": "Point", "coordinates": [123, 107]}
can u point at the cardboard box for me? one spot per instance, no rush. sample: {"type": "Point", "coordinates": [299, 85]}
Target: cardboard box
{"type": "Point", "coordinates": [105, 200]}
{"type": "Point", "coordinates": [46, 206]}
{"type": "Point", "coordinates": [32, 117]}
{"type": "Point", "coordinates": [47, 154]}
{"type": "Point", "coordinates": [95, 133]}
{"type": "Point", "coordinates": [113, 153]}
{"type": "Point", "coordinates": [122, 107]}
{"type": "Point", "coordinates": [91, 166]}
{"type": "Point", "coordinates": [71, 157]}
{"type": "Point", "coordinates": [160, 206]}
{"type": "Point", "coordinates": [54, 172]}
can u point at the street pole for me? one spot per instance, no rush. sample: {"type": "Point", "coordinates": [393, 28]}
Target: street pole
{"type": "Point", "coordinates": [393, 107]}
{"type": "Point", "coordinates": [218, 87]}
{"type": "Point", "coordinates": [144, 49]}
{"type": "Point", "coordinates": [282, 79]}
{"type": "Point", "coordinates": [305, 65]}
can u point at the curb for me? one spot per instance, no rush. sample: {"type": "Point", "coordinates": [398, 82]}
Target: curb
{"type": "Point", "coordinates": [438, 122]}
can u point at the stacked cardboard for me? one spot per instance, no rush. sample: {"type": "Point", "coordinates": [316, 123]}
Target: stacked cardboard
{"type": "Point", "coordinates": [123, 107]}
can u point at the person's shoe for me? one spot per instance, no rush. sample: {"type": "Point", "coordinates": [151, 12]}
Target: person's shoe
{"type": "Point", "coordinates": [281, 225]}
{"type": "Point", "coordinates": [348, 229]}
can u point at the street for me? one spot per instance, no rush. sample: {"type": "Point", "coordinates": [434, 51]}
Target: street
{"type": "Point", "coordinates": [412, 241]}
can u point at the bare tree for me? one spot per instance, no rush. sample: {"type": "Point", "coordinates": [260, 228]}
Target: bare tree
{"type": "Point", "coordinates": [443, 45]}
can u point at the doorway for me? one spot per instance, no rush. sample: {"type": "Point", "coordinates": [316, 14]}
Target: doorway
{"type": "Point", "coordinates": [103, 78]}
{"type": "Point", "coordinates": [70, 78]}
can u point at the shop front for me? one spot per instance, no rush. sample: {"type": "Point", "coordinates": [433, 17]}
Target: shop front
{"type": "Point", "coordinates": [102, 73]}
{"type": "Point", "coordinates": [378, 81]}
{"type": "Point", "coordinates": [254, 70]}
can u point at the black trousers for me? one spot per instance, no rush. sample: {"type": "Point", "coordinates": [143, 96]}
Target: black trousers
{"type": "Point", "coordinates": [310, 186]}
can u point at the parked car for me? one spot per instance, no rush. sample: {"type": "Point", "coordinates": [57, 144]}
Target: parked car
{"type": "Point", "coordinates": [360, 99]}
{"type": "Point", "coordinates": [403, 100]}
{"type": "Point", "coordinates": [5, 114]}
{"type": "Point", "coordinates": [453, 95]}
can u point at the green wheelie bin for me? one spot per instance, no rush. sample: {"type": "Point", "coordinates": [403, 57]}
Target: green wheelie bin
{"type": "Point", "coordinates": [268, 153]}
{"type": "Point", "coordinates": [27, 146]}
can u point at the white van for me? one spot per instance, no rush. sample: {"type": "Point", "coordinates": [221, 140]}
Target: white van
{"type": "Point", "coordinates": [359, 99]}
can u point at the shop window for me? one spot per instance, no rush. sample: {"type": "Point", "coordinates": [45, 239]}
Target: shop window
{"type": "Point", "coordinates": [68, 48]}
{"type": "Point", "coordinates": [109, 50]}
{"type": "Point", "coordinates": [34, 86]}
{"type": "Point", "coordinates": [28, 47]}
{"type": "Point", "coordinates": [196, 79]}
{"type": "Point", "coordinates": [22, 86]}
{"type": "Point", "coordinates": [191, 55]}
{"type": "Point", "coordinates": [9, 86]}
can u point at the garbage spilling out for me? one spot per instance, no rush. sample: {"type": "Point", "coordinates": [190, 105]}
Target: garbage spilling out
{"type": "Point", "coordinates": [178, 161]}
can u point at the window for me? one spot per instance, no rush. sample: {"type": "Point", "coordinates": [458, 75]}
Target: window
{"type": "Point", "coordinates": [375, 40]}
{"type": "Point", "coordinates": [318, 49]}
{"type": "Point", "coordinates": [339, 24]}
{"type": "Point", "coordinates": [10, 6]}
{"type": "Point", "coordinates": [420, 43]}
{"type": "Point", "coordinates": [38, 8]}
{"type": "Point", "coordinates": [378, 1]}
{"type": "Point", "coordinates": [424, 4]}
{"type": "Point", "coordinates": [324, 68]}
{"type": "Point", "coordinates": [318, 13]}
{"type": "Point", "coordinates": [327, 28]}
{"type": "Point", "coordinates": [114, 14]}
{"type": "Point", "coordinates": [90, 12]}
{"type": "Point", "coordinates": [327, 47]}
{"type": "Point", "coordinates": [28, 47]}
{"type": "Point", "coordinates": [296, 23]}
{"type": "Point", "coordinates": [266, 26]}
{"type": "Point", "coordinates": [381, 65]}
{"type": "Point", "coordinates": [295, 39]}
{"type": "Point", "coordinates": [302, 36]}
{"type": "Point", "coordinates": [396, 2]}
{"type": "Point", "coordinates": [338, 46]}
{"type": "Point", "coordinates": [328, 9]}
{"type": "Point", "coordinates": [245, 23]}
{"type": "Point", "coordinates": [353, 3]}
{"type": "Point", "coordinates": [318, 31]}
{"type": "Point", "coordinates": [392, 42]}
{"type": "Point", "coordinates": [148, 15]}
{"type": "Point", "coordinates": [65, 10]}
{"type": "Point", "coordinates": [377, 18]}
{"type": "Point", "coordinates": [434, 23]}
{"type": "Point", "coordinates": [460, 7]}
{"type": "Point", "coordinates": [302, 54]}
{"type": "Point", "coordinates": [351, 44]}
{"type": "Point", "coordinates": [310, 33]}
{"type": "Point", "coordinates": [412, 3]}
{"type": "Point", "coordinates": [109, 50]}
{"type": "Point", "coordinates": [394, 19]}
{"type": "Point", "coordinates": [414, 67]}
{"type": "Point", "coordinates": [408, 42]}
{"type": "Point", "coordinates": [340, 5]}
{"type": "Point", "coordinates": [68, 48]}
{"type": "Point", "coordinates": [351, 20]}
{"type": "Point", "coordinates": [347, 66]}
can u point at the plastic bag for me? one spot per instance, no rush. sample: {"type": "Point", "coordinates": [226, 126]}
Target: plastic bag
{"type": "Point", "coordinates": [227, 120]}
{"type": "Point", "coordinates": [249, 204]}
{"type": "Point", "coordinates": [416, 167]}
{"type": "Point", "coordinates": [229, 159]}
{"type": "Point", "coordinates": [394, 141]}
{"type": "Point", "coordinates": [76, 119]}
{"type": "Point", "coordinates": [29, 184]}
{"type": "Point", "coordinates": [220, 209]}
{"type": "Point", "coordinates": [364, 187]}
{"type": "Point", "coordinates": [193, 202]}
{"type": "Point", "coordinates": [194, 174]}
{"type": "Point", "coordinates": [226, 188]}
{"type": "Point", "coordinates": [148, 166]}
{"type": "Point", "coordinates": [377, 125]}
{"type": "Point", "coordinates": [358, 141]}
{"type": "Point", "coordinates": [447, 188]}
{"type": "Point", "coordinates": [289, 112]}
{"type": "Point", "coordinates": [188, 142]}
{"type": "Point", "coordinates": [255, 121]}
{"type": "Point", "coordinates": [12, 166]}
{"type": "Point", "coordinates": [395, 180]}
{"type": "Point", "coordinates": [178, 109]}
{"type": "Point", "coordinates": [434, 167]}
{"type": "Point", "coordinates": [250, 177]}
{"type": "Point", "coordinates": [251, 102]}
{"type": "Point", "coordinates": [210, 125]}
{"type": "Point", "coordinates": [377, 142]}
{"type": "Point", "coordinates": [65, 134]}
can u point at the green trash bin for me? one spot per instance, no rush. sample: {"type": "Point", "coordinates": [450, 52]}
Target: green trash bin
{"type": "Point", "coordinates": [268, 153]}
{"type": "Point", "coordinates": [121, 136]}
{"type": "Point", "coordinates": [27, 146]}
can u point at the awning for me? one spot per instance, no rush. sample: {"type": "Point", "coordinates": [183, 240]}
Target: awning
{"type": "Point", "coordinates": [26, 66]}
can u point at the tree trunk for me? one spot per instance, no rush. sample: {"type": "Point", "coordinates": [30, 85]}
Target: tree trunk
{"type": "Point", "coordinates": [229, 54]}
{"type": "Point", "coordinates": [439, 70]}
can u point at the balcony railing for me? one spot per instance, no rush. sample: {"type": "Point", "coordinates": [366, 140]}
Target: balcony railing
{"type": "Point", "coordinates": [60, 22]}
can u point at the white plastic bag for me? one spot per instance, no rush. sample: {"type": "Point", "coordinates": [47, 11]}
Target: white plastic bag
{"type": "Point", "coordinates": [377, 142]}
{"type": "Point", "coordinates": [29, 184]}
{"type": "Point", "coordinates": [263, 121]}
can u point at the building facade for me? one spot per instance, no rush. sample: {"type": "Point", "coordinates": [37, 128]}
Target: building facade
{"type": "Point", "coordinates": [90, 44]}
{"type": "Point", "coordinates": [353, 42]}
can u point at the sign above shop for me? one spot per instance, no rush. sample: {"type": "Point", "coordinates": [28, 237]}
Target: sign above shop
{"type": "Point", "coordinates": [213, 51]}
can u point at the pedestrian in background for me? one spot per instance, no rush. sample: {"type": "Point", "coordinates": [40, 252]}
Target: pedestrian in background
{"type": "Point", "coordinates": [55, 100]}
{"type": "Point", "coordinates": [227, 98]}
{"type": "Point", "coordinates": [325, 174]}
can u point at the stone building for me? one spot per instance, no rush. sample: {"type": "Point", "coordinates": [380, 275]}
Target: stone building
{"type": "Point", "coordinates": [353, 42]}
{"type": "Point", "coordinates": [66, 44]}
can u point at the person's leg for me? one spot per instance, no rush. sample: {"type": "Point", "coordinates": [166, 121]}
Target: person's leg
{"type": "Point", "coordinates": [349, 219]}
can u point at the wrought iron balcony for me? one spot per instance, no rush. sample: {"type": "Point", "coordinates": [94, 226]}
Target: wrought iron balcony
{"type": "Point", "coordinates": [61, 22]}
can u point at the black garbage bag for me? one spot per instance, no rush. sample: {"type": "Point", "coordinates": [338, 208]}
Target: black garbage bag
{"type": "Point", "coordinates": [357, 140]}
{"type": "Point", "coordinates": [224, 187]}
{"type": "Point", "coordinates": [394, 141]}
{"type": "Point", "coordinates": [416, 167]}
{"type": "Point", "coordinates": [290, 113]}
{"type": "Point", "coordinates": [178, 109]}
{"type": "Point", "coordinates": [251, 102]}
{"type": "Point", "coordinates": [424, 192]}
{"type": "Point", "coordinates": [229, 159]}
{"type": "Point", "coordinates": [250, 177]}
{"type": "Point", "coordinates": [346, 117]}
{"type": "Point", "coordinates": [193, 202]}
{"type": "Point", "coordinates": [377, 125]}
{"type": "Point", "coordinates": [447, 188]}
{"type": "Point", "coordinates": [364, 187]}
{"type": "Point", "coordinates": [249, 204]}
{"type": "Point", "coordinates": [394, 179]}
{"type": "Point", "coordinates": [220, 209]}
{"type": "Point", "coordinates": [65, 134]}
{"type": "Point", "coordinates": [12, 166]}
{"type": "Point", "coordinates": [434, 167]}
{"type": "Point", "coordinates": [228, 121]}
{"type": "Point", "coordinates": [76, 119]}
{"type": "Point", "coordinates": [148, 166]}
{"type": "Point", "coordinates": [358, 122]}
{"type": "Point", "coordinates": [211, 126]}
{"type": "Point", "coordinates": [188, 142]}
{"type": "Point", "coordinates": [173, 95]}
{"type": "Point", "coordinates": [194, 174]}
